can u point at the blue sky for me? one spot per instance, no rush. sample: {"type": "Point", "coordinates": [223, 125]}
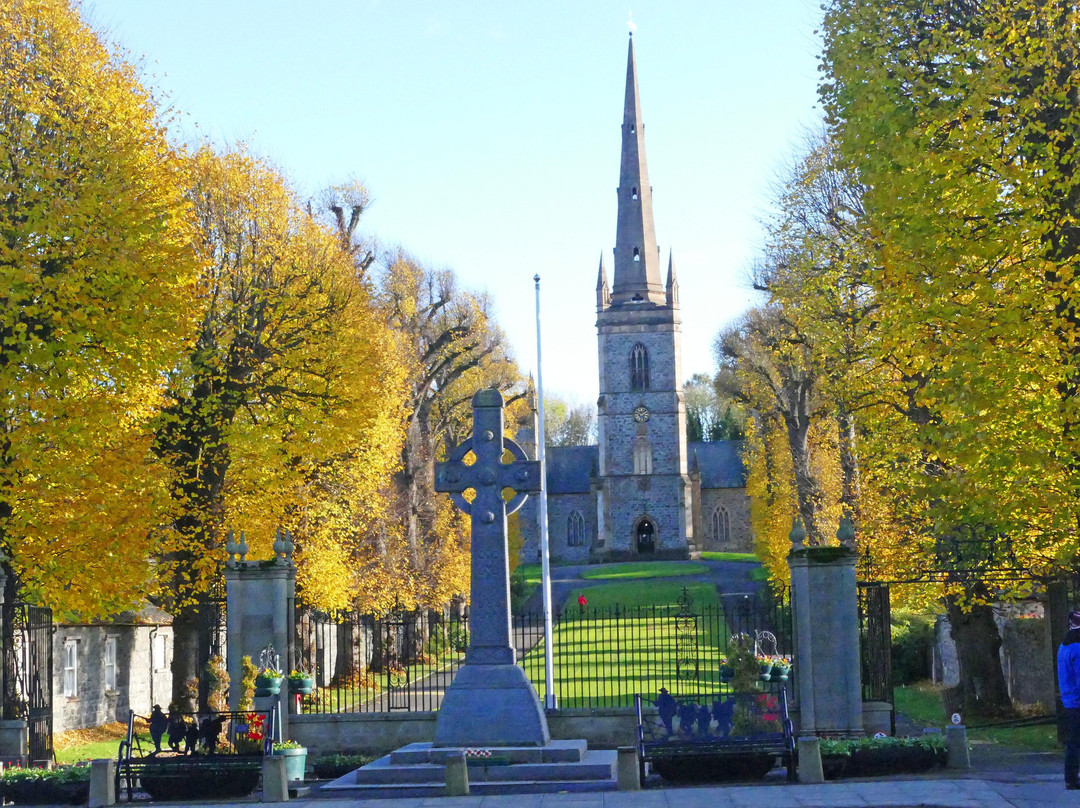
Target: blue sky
{"type": "Point", "coordinates": [488, 133]}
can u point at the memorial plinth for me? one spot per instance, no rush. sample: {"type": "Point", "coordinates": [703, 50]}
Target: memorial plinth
{"type": "Point", "coordinates": [490, 702]}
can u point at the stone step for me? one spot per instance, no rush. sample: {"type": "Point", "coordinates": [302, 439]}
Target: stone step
{"type": "Point", "coordinates": [595, 766]}
{"type": "Point", "coordinates": [555, 752]}
{"type": "Point", "coordinates": [388, 790]}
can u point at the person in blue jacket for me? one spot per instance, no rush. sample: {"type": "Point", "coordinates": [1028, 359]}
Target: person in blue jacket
{"type": "Point", "coordinates": [1068, 664]}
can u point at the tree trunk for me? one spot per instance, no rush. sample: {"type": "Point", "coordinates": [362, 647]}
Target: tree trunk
{"type": "Point", "coordinates": [185, 661]}
{"type": "Point", "coordinates": [849, 464]}
{"type": "Point", "coordinates": [347, 667]}
{"type": "Point", "coordinates": [978, 649]}
{"type": "Point", "coordinates": [806, 488]}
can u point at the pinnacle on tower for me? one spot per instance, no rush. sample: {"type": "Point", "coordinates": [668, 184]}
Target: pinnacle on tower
{"type": "Point", "coordinates": [637, 271]}
{"type": "Point", "coordinates": [672, 286]}
{"type": "Point", "coordinates": [603, 294]}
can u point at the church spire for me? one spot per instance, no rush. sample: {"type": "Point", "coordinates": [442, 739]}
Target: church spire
{"type": "Point", "coordinates": [637, 274]}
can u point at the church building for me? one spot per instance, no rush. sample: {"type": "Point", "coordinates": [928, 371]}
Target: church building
{"type": "Point", "coordinates": [643, 492]}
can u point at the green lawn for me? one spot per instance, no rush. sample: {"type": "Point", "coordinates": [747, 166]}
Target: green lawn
{"type": "Point", "coordinates": [604, 656]}
{"type": "Point", "coordinates": [95, 743]}
{"type": "Point", "coordinates": [633, 595]}
{"type": "Point", "coordinates": [712, 555]}
{"type": "Point", "coordinates": [531, 573]}
{"type": "Point", "coordinates": [922, 703]}
{"type": "Point", "coordinates": [644, 569]}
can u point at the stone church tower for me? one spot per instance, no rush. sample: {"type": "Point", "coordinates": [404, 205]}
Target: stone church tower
{"type": "Point", "coordinates": [643, 492]}
{"type": "Point", "coordinates": [643, 488]}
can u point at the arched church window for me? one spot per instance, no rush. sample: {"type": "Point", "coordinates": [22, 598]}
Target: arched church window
{"type": "Point", "coordinates": [642, 455]}
{"type": "Point", "coordinates": [637, 255]}
{"type": "Point", "coordinates": [575, 529]}
{"type": "Point", "coordinates": [721, 524]}
{"type": "Point", "coordinates": [639, 367]}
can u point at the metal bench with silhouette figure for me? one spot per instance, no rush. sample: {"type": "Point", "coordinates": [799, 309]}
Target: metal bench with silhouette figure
{"type": "Point", "coordinates": [731, 736]}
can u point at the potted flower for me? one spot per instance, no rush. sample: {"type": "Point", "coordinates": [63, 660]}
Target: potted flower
{"type": "Point", "coordinates": [269, 678]}
{"type": "Point", "coordinates": [301, 682]}
{"type": "Point", "coordinates": [727, 671]}
{"type": "Point", "coordinates": [781, 669]}
{"type": "Point", "coordinates": [295, 759]}
{"type": "Point", "coordinates": [765, 665]}
{"type": "Point", "coordinates": [268, 682]}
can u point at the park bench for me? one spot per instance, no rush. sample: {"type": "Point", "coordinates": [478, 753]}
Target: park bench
{"type": "Point", "coordinates": [738, 734]}
{"type": "Point", "coordinates": [207, 755]}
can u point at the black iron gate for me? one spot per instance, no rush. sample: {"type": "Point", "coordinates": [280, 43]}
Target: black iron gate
{"type": "Point", "coordinates": [398, 642]}
{"type": "Point", "coordinates": [875, 636]}
{"type": "Point", "coordinates": [27, 639]}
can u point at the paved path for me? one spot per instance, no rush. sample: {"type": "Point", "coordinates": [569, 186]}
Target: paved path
{"type": "Point", "coordinates": [1038, 792]}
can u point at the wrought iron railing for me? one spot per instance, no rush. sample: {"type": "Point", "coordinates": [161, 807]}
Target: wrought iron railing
{"type": "Point", "coordinates": [603, 656]}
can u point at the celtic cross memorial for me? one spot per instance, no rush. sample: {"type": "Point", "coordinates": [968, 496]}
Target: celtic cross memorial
{"type": "Point", "coordinates": [490, 702]}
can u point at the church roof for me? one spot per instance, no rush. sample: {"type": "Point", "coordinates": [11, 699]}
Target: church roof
{"type": "Point", "coordinates": [719, 463]}
{"type": "Point", "coordinates": [570, 467]}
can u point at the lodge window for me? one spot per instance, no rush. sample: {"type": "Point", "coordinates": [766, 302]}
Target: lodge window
{"type": "Point", "coordinates": [71, 668]}
{"type": "Point", "coordinates": [575, 529]}
{"type": "Point", "coordinates": [639, 368]}
{"type": "Point", "coordinates": [110, 664]}
{"type": "Point", "coordinates": [637, 254]}
{"type": "Point", "coordinates": [157, 653]}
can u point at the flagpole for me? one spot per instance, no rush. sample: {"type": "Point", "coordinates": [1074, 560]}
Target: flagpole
{"type": "Point", "coordinates": [545, 555]}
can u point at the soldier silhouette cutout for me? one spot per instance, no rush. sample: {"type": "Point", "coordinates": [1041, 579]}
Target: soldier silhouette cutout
{"type": "Point", "coordinates": [191, 739]}
{"type": "Point", "coordinates": [177, 728]}
{"type": "Point", "coordinates": [667, 707]}
{"type": "Point", "coordinates": [724, 713]}
{"type": "Point", "coordinates": [158, 724]}
{"type": "Point", "coordinates": [687, 716]}
{"type": "Point", "coordinates": [209, 730]}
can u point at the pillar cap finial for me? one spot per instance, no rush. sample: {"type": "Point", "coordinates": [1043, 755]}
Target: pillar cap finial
{"type": "Point", "coordinates": [797, 534]}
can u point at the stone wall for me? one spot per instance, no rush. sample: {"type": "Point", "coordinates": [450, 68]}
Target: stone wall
{"type": "Point", "coordinates": [560, 507]}
{"type": "Point", "coordinates": [380, 733]}
{"type": "Point", "coordinates": [737, 503]}
{"type": "Point", "coordinates": [141, 680]}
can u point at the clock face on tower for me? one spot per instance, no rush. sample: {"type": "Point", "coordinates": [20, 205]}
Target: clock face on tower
{"type": "Point", "coordinates": [641, 414]}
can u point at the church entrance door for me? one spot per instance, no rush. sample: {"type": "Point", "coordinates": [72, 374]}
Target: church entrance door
{"type": "Point", "coordinates": [646, 537]}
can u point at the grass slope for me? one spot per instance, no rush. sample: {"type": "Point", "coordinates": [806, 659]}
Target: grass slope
{"type": "Point", "coordinates": [644, 569]}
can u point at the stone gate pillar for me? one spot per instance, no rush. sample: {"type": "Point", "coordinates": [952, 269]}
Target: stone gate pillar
{"type": "Point", "coordinates": [258, 609]}
{"type": "Point", "coordinates": [824, 602]}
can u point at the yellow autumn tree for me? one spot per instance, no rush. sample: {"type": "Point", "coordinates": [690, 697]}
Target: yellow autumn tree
{"type": "Point", "coordinates": [452, 348]}
{"type": "Point", "coordinates": [289, 396]}
{"type": "Point", "coordinates": [96, 284]}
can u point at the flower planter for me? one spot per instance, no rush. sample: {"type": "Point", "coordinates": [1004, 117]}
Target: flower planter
{"type": "Point", "coordinates": [295, 761]}
{"type": "Point", "coordinates": [833, 766]}
{"type": "Point", "coordinates": [302, 686]}
{"type": "Point", "coordinates": [765, 671]}
{"type": "Point", "coordinates": [181, 779]}
{"type": "Point", "coordinates": [890, 760]}
{"type": "Point", "coordinates": [267, 685]}
{"type": "Point", "coordinates": [45, 792]}
{"type": "Point", "coordinates": [727, 673]}
{"type": "Point", "coordinates": [715, 768]}
{"type": "Point", "coordinates": [780, 672]}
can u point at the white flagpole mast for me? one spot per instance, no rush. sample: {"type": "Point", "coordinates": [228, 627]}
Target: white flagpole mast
{"type": "Point", "coordinates": [545, 559]}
